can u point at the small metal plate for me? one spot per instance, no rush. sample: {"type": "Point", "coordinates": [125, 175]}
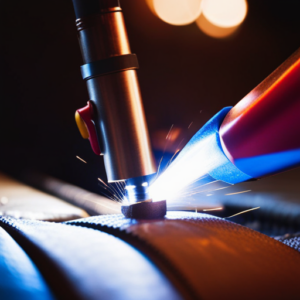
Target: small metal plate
{"type": "Point", "coordinates": [145, 210]}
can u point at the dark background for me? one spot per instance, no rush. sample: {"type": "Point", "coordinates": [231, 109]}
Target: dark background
{"type": "Point", "coordinates": [182, 71]}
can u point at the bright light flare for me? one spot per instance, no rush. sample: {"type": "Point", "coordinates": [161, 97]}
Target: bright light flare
{"type": "Point", "coordinates": [185, 170]}
{"type": "Point", "coordinates": [176, 12]}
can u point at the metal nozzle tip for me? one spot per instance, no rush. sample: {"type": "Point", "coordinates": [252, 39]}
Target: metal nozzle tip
{"type": "Point", "coordinates": [137, 189]}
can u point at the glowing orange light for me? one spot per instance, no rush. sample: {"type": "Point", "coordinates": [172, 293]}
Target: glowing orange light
{"type": "Point", "coordinates": [213, 30]}
{"type": "Point", "coordinates": [176, 12]}
{"type": "Point", "coordinates": [227, 13]}
{"type": "Point", "coordinates": [167, 140]}
{"type": "Point", "coordinates": [221, 18]}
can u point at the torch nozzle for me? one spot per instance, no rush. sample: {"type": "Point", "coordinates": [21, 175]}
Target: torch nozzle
{"type": "Point", "coordinates": [137, 188]}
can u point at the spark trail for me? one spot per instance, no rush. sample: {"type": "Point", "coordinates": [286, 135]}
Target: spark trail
{"type": "Point", "coordinates": [81, 159]}
{"type": "Point", "coordinates": [242, 212]}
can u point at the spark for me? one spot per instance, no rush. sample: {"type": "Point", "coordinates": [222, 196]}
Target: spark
{"type": "Point", "coordinates": [158, 169]}
{"type": "Point", "coordinates": [190, 192]}
{"type": "Point", "coordinates": [212, 190]}
{"type": "Point", "coordinates": [169, 162]}
{"type": "Point", "coordinates": [238, 193]}
{"type": "Point", "coordinates": [242, 212]}
{"type": "Point", "coordinates": [113, 197]}
{"type": "Point", "coordinates": [111, 190]}
{"type": "Point", "coordinates": [194, 191]}
{"type": "Point", "coordinates": [190, 125]}
{"type": "Point", "coordinates": [211, 209]}
{"type": "Point", "coordinates": [180, 143]}
{"type": "Point", "coordinates": [121, 187]}
{"type": "Point", "coordinates": [110, 197]}
{"type": "Point", "coordinates": [166, 144]}
{"type": "Point", "coordinates": [119, 196]}
{"type": "Point", "coordinates": [81, 159]}
{"type": "Point", "coordinates": [169, 133]}
{"type": "Point", "coordinates": [103, 182]}
{"type": "Point", "coordinates": [101, 204]}
{"type": "Point", "coordinates": [224, 187]}
{"type": "Point", "coordinates": [117, 190]}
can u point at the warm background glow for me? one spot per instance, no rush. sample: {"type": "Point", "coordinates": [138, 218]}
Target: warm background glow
{"type": "Point", "coordinates": [176, 12]}
{"type": "Point", "coordinates": [216, 18]}
{"type": "Point", "coordinates": [220, 18]}
{"type": "Point", "coordinates": [225, 13]}
{"type": "Point", "coordinates": [213, 30]}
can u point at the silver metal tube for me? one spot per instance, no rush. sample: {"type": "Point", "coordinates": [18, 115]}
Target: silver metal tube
{"type": "Point", "coordinates": [126, 145]}
{"type": "Point", "coordinates": [120, 119]}
{"type": "Point", "coordinates": [118, 115]}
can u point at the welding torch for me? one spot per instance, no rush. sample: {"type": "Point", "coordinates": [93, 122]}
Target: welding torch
{"type": "Point", "coordinates": [258, 137]}
{"type": "Point", "coordinates": [113, 119]}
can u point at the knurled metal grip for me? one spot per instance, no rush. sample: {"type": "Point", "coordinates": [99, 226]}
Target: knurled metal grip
{"type": "Point", "coordinates": [109, 65]}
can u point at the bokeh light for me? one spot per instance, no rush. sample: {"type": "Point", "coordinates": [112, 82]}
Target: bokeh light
{"type": "Point", "coordinates": [176, 12]}
{"type": "Point", "coordinates": [221, 13]}
{"type": "Point", "coordinates": [213, 30]}
{"type": "Point", "coordinates": [221, 18]}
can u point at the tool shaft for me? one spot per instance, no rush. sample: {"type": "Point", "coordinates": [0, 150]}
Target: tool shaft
{"type": "Point", "coordinates": [114, 91]}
